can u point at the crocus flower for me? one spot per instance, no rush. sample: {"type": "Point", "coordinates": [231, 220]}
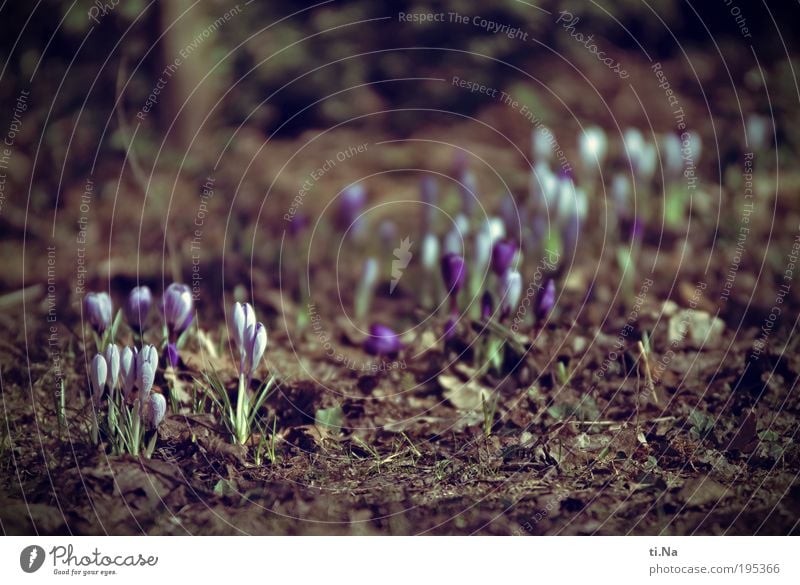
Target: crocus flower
{"type": "Point", "coordinates": [382, 340]}
{"type": "Point", "coordinates": [298, 225]}
{"type": "Point", "coordinates": [140, 300]}
{"type": "Point", "coordinates": [593, 146]}
{"type": "Point", "coordinates": [146, 366]}
{"type": "Point", "coordinates": [127, 365]}
{"type": "Point", "coordinates": [112, 362]}
{"type": "Point", "coordinates": [178, 308]}
{"type": "Point", "coordinates": [256, 345]}
{"type": "Point", "coordinates": [621, 194]}
{"type": "Point", "coordinates": [387, 231]}
{"type": "Point", "coordinates": [366, 287]}
{"type": "Point", "coordinates": [98, 309]}
{"type": "Point", "coordinates": [641, 154]}
{"type": "Point", "coordinates": [503, 254]}
{"type": "Point", "coordinates": [757, 130]}
{"type": "Point", "coordinates": [454, 242]}
{"type": "Point", "coordinates": [694, 144]}
{"type": "Point", "coordinates": [351, 204]}
{"type": "Point", "coordinates": [547, 300]}
{"type": "Point", "coordinates": [673, 159]}
{"type": "Point", "coordinates": [511, 284]}
{"type": "Point", "coordinates": [454, 274]}
{"type": "Point", "coordinates": [482, 252]}
{"type": "Point", "coordinates": [542, 143]}
{"type": "Point", "coordinates": [468, 187]}
{"type": "Point", "coordinates": [153, 410]}
{"type": "Point", "coordinates": [243, 317]}
{"type": "Point", "coordinates": [98, 373]}
{"type": "Point", "coordinates": [429, 196]}
{"type": "Point", "coordinates": [430, 252]}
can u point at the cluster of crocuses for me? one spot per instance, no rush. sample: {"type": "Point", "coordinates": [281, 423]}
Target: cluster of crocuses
{"type": "Point", "coordinates": [177, 309]}
{"type": "Point", "coordinates": [123, 380]}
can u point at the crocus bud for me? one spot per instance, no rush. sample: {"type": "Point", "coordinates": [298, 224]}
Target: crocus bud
{"type": "Point", "coordinates": [138, 306]}
{"type": "Point", "coordinates": [298, 225]}
{"type": "Point", "coordinates": [693, 144]}
{"type": "Point", "coordinates": [542, 141]}
{"type": "Point", "coordinates": [146, 366]}
{"type": "Point", "coordinates": [757, 129]}
{"type": "Point", "coordinates": [382, 340]}
{"type": "Point", "coordinates": [502, 256]}
{"type": "Point", "coordinates": [547, 300]}
{"type": "Point", "coordinates": [387, 232]}
{"type": "Point", "coordinates": [430, 252]}
{"type": "Point", "coordinates": [454, 242]}
{"type": "Point", "coordinates": [178, 306]}
{"type": "Point", "coordinates": [453, 273]}
{"type": "Point", "coordinates": [496, 228]}
{"type": "Point", "coordinates": [97, 375]}
{"type": "Point", "coordinates": [98, 309]}
{"type": "Point", "coordinates": [621, 194]}
{"type": "Point", "coordinates": [112, 362]}
{"type": "Point", "coordinates": [593, 145]}
{"type": "Point", "coordinates": [468, 187]}
{"type": "Point", "coordinates": [256, 344]}
{"type": "Point", "coordinates": [511, 284]}
{"type": "Point", "coordinates": [429, 197]}
{"type": "Point", "coordinates": [486, 306]}
{"type": "Point", "coordinates": [127, 366]}
{"type": "Point", "coordinates": [153, 410]}
{"type": "Point", "coordinates": [243, 317]}
{"type": "Point", "coordinates": [482, 253]}
{"type": "Point", "coordinates": [351, 204]}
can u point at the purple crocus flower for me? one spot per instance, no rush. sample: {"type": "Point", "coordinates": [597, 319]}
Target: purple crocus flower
{"type": "Point", "coordinates": [153, 410]}
{"type": "Point", "coordinates": [502, 256]}
{"type": "Point", "coordinates": [382, 340]}
{"type": "Point", "coordinates": [98, 310]}
{"type": "Point", "coordinates": [256, 345]}
{"type": "Point", "coordinates": [454, 275]}
{"type": "Point", "coordinates": [298, 225]}
{"type": "Point", "coordinates": [140, 300]}
{"type": "Point", "coordinates": [351, 204]}
{"type": "Point", "coordinates": [146, 366]}
{"type": "Point", "coordinates": [98, 373]}
{"type": "Point", "coordinates": [178, 308]}
{"type": "Point", "coordinates": [547, 300]}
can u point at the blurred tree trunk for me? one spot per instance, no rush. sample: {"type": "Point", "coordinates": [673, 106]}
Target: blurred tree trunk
{"type": "Point", "coordinates": [188, 96]}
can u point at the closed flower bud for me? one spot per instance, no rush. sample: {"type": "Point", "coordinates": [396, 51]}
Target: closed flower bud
{"type": "Point", "coordinates": [757, 130]}
{"type": "Point", "coordinates": [98, 310]}
{"type": "Point", "coordinates": [430, 252]}
{"type": "Point", "coordinates": [350, 206]}
{"type": "Point", "coordinates": [511, 284]}
{"type": "Point", "coordinates": [453, 272]}
{"type": "Point", "coordinates": [97, 375]}
{"type": "Point", "coordinates": [468, 187]}
{"type": "Point", "coordinates": [256, 344]}
{"type": "Point", "coordinates": [127, 366]}
{"type": "Point", "coordinates": [382, 341]}
{"type": "Point", "coordinates": [502, 256]}
{"type": "Point", "coordinates": [482, 254]}
{"type": "Point", "coordinates": [138, 306]}
{"type": "Point", "coordinates": [153, 410]}
{"type": "Point", "coordinates": [454, 242]}
{"type": "Point", "coordinates": [593, 145]}
{"type": "Point", "coordinates": [243, 317]}
{"type": "Point", "coordinates": [542, 141]}
{"type": "Point", "coordinates": [673, 160]}
{"type": "Point", "coordinates": [429, 197]}
{"type": "Point", "coordinates": [146, 366]}
{"type": "Point", "coordinates": [547, 300]}
{"type": "Point", "coordinates": [178, 307]}
{"type": "Point", "coordinates": [112, 362]}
